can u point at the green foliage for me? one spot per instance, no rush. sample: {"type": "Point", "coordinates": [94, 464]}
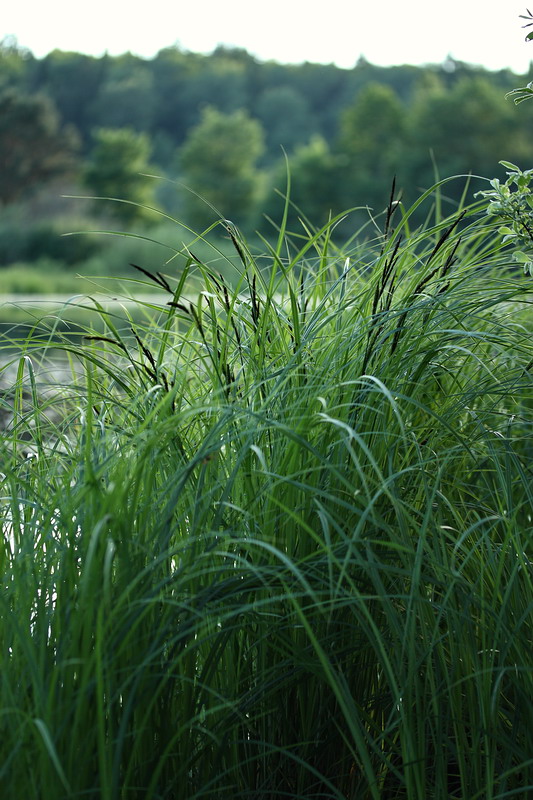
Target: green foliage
{"type": "Point", "coordinates": [42, 276]}
{"type": "Point", "coordinates": [356, 128]}
{"type": "Point", "coordinates": [22, 241]}
{"type": "Point", "coordinates": [528, 24]}
{"type": "Point", "coordinates": [73, 81]}
{"type": "Point", "coordinates": [117, 170]}
{"type": "Point", "coordinates": [373, 139]}
{"type": "Point", "coordinates": [525, 92]}
{"type": "Point", "coordinates": [522, 93]}
{"type": "Point", "coordinates": [315, 185]}
{"type": "Point", "coordinates": [218, 160]}
{"type": "Point", "coordinates": [14, 62]}
{"type": "Point", "coordinates": [33, 146]}
{"type": "Point", "coordinates": [511, 202]}
{"type": "Point", "coordinates": [276, 543]}
{"type": "Point", "coordinates": [126, 98]}
{"type": "Point", "coordinates": [221, 82]}
{"type": "Point", "coordinates": [176, 108]}
{"type": "Point", "coordinates": [286, 118]}
{"type": "Point", "coordinates": [463, 130]}
{"type": "Point", "coordinates": [164, 97]}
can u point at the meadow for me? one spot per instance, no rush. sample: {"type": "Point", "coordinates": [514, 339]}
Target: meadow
{"type": "Point", "coordinates": [272, 536]}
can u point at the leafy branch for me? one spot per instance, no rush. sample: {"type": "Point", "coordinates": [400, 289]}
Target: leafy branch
{"type": "Point", "coordinates": [524, 92]}
{"type": "Point", "coordinates": [514, 207]}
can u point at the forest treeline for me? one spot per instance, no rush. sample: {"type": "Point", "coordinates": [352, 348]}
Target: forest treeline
{"type": "Point", "coordinates": [220, 124]}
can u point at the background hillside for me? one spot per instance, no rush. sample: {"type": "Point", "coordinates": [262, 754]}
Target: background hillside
{"type": "Point", "coordinates": [218, 126]}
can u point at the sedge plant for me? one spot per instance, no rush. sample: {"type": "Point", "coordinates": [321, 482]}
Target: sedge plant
{"type": "Point", "coordinates": [275, 542]}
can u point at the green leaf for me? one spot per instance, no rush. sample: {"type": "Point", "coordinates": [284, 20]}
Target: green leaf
{"type": "Point", "coordinates": [508, 164]}
{"type": "Point", "coordinates": [52, 752]}
{"type": "Point", "coordinates": [526, 96]}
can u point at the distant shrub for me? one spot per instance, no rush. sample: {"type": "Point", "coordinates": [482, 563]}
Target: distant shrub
{"type": "Point", "coordinates": [44, 240]}
{"type": "Point", "coordinates": [44, 276]}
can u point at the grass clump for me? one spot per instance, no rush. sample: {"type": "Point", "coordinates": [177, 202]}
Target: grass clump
{"type": "Point", "coordinates": [277, 542]}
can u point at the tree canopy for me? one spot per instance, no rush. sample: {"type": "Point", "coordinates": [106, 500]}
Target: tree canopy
{"type": "Point", "coordinates": [115, 170]}
{"type": "Point", "coordinates": [219, 123]}
{"type": "Point", "coordinates": [219, 161]}
{"type": "Point", "coordinates": [33, 146]}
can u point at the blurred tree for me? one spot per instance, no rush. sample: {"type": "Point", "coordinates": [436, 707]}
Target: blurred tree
{"type": "Point", "coordinates": [73, 81]}
{"type": "Point", "coordinates": [114, 171]}
{"type": "Point", "coordinates": [14, 63]}
{"type": "Point", "coordinates": [323, 86]}
{"type": "Point", "coordinates": [315, 191]}
{"type": "Point", "coordinates": [173, 72]}
{"type": "Point", "coordinates": [186, 83]}
{"type": "Point", "coordinates": [219, 163]}
{"type": "Point", "coordinates": [286, 118]}
{"type": "Point", "coordinates": [221, 82]}
{"type": "Point", "coordinates": [33, 147]}
{"type": "Point", "coordinates": [466, 129]}
{"type": "Point", "coordinates": [372, 138]}
{"type": "Point", "coordinates": [126, 98]}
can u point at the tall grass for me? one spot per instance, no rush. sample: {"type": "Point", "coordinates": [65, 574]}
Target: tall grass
{"type": "Point", "coordinates": [277, 543]}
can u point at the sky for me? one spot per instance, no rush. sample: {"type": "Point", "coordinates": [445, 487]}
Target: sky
{"type": "Point", "coordinates": [484, 32]}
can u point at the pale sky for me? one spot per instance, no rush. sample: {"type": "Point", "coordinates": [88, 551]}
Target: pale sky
{"type": "Point", "coordinates": [485, 32]}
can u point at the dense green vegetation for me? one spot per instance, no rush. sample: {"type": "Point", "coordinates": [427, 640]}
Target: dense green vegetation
{"type": "Point", "coordinates": [275, 541]}
{"type": "Point", "coordinates": [267, 508]}
{"type": "Point", "coordinates": [215, 126]}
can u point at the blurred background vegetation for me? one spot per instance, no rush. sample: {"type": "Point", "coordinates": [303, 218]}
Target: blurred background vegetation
{"type": "Point", "coordinates": [167, 131]}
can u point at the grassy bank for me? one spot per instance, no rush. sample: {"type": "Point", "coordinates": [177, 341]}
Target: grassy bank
{"type": "Point", "coordinates": [278, 544]}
